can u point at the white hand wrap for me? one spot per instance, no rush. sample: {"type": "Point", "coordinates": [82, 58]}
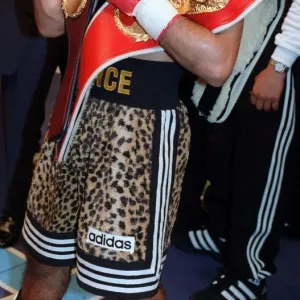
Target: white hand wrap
{"type": "Point", "coordinates": [155, 16]}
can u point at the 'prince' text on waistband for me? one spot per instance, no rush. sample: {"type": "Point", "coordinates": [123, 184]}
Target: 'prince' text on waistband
{"type": "Point", "coordinates": [114, 80]}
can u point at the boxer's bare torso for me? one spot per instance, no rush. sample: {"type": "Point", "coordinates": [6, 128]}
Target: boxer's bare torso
{"type": "Point", "coordinates": [160, 56]}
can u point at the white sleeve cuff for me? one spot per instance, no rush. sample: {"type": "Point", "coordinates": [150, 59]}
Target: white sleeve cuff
{"type": "Point", "coordinates": [285, 56]}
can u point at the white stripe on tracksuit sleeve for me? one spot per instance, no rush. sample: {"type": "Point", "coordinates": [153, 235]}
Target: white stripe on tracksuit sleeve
{"type": "Point", "coordinates": [288, 41]}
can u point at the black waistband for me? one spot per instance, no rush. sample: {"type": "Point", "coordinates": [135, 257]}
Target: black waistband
{"type": "Point", "coordinates": [139, 83]}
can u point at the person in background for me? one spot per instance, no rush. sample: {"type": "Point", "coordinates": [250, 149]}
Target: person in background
{"type": "Point", "coordinates": [266, 95]}
{"type": "Point", "coordinates": [245, 211]}
{"type": "Point", "coordinates": [27, 64]}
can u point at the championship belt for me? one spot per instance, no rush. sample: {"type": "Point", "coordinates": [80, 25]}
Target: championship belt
{"type": "Point", "coordinates": [63, 107]}
{"type": "Point", "coordinates": [112, 36]}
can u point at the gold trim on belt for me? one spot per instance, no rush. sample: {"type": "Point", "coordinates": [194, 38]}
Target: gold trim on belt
{"type": "Point", "coordinates": [75, 14]}
{"type": "Point", "coordinates": [198, 6]}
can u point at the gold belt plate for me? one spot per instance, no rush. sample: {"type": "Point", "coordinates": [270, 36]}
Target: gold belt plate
{"type": "Point", "coordinates": [198, 6]}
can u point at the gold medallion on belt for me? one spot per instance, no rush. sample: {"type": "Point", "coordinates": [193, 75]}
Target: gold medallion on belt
{"type": "Point", "coordinates": [183, 6]}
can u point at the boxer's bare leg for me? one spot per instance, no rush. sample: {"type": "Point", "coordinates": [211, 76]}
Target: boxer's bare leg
{"type": "Point", "coordinates": [42, 282]}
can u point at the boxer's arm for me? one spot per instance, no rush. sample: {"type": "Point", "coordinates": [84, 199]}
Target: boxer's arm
{"type": "Point", "coordinates": [209, 56]}
{"type": "Point", "coordinates": [49, 17]}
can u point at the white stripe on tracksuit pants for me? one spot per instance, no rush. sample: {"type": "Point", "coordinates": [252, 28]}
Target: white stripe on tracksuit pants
{"type": "Point", "coordinates": [271, 194]}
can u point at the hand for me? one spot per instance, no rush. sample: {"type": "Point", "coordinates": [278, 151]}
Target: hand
{"type": "Point", "coordinates": [155, 16]}
{"type": "Point", "coordinates": [267, 89]}
{"type": "Point", "coordinates": [126, 6]}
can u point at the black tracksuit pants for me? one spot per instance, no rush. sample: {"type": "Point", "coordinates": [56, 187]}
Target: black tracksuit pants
{"type": "Point", "coordinates": [245, 159]}
{"type": "Point", "coordinates": [247, 169]}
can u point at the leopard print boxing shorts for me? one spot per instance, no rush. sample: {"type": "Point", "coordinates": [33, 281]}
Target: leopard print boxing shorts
{"type": "Point", "coordinates": [111, 204]}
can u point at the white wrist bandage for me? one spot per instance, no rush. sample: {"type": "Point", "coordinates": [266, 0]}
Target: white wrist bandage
{"type": "Point", "coordinates": [155, 16]}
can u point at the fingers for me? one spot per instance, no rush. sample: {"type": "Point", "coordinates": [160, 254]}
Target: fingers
{"type": "Point", "coordinates": [267, 105]}
{"type": "Point", "coordinates": [252, 98]}
{"type": "Point", "coordinates": [259, 103]}
{"type": "Point", "coordinates": [275, 105]}
{"type": "Point", "coordinates": [264, 104]}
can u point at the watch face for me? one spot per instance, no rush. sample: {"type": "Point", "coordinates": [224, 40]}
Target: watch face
{"type": "Point", "coordinates": [279, 67]}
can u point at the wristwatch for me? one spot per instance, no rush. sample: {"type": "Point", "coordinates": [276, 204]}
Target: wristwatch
{"type": "Point", "coordinates": [278, 66]}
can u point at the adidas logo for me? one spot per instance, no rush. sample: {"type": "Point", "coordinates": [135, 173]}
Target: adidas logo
{"type": "Point", "coordinates": [110, 241]}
